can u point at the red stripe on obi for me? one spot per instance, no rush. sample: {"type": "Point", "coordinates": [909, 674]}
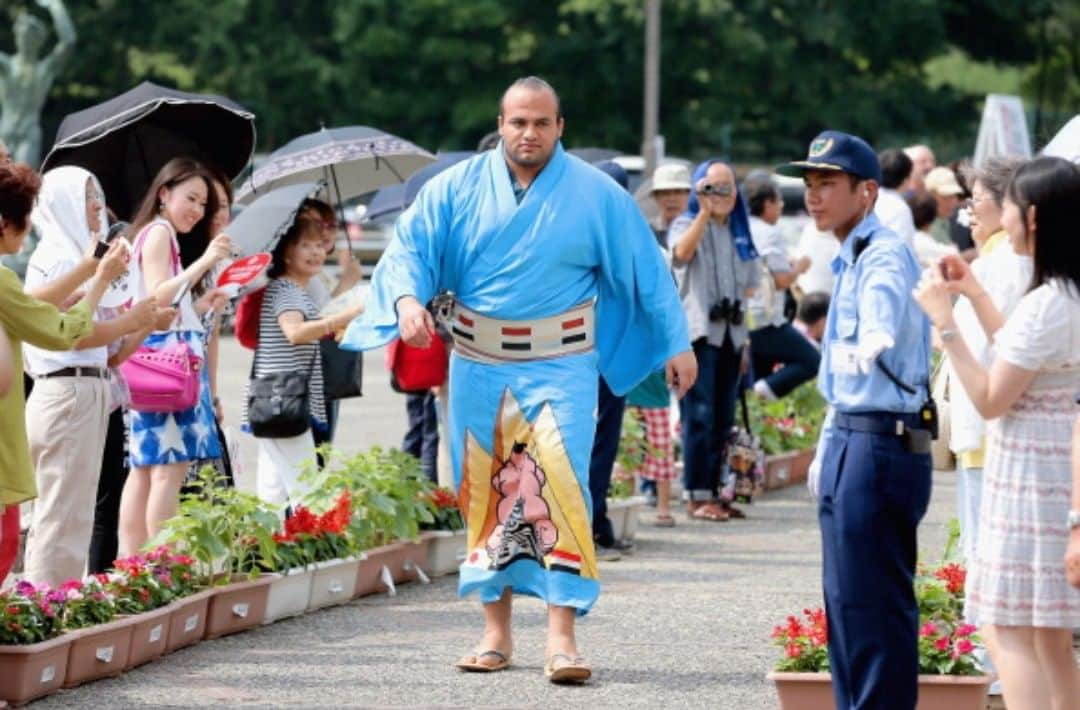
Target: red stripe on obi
{"type": "Point", "coordinates": [465, 321]}
{"type": "Point", "coordinates": [517, 331]}
{"type": "Point", "coordinates": [571, 324]}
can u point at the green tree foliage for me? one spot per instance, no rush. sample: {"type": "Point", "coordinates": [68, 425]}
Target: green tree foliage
{"type": "Point", "coordinates": [752, 79]}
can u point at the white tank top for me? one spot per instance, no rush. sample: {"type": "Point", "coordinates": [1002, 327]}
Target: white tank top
{"type": "Point", "coordinates": [188, 319]}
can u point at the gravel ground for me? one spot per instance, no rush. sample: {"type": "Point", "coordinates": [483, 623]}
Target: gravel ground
{"type": "Point", "coordinates": [683, 622]}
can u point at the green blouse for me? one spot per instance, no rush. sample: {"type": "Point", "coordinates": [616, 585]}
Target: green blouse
{"type": "Point", "coordinates": [26, 319]}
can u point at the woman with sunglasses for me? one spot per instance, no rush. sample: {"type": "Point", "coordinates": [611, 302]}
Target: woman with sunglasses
{"type": "Point", "coordinates": [717, 270]}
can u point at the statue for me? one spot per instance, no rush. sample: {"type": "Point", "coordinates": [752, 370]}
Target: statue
{"type": "Point", "coordinates": [25, 81]}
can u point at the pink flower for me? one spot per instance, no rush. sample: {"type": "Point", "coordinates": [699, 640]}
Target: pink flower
{"type": "Point", "coordinates": [964, 630]}
{"type": "Point", "coordinates": [964, 646]}
{"type": "Point", "coordinates": [942, 644]}
{"type": "Point", "coordinates": [70, 585]}
{"type": "Point", "coordinates": [928, 629]}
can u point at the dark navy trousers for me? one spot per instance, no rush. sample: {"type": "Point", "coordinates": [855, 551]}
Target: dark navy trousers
{"type": "Point", "coordinates": [609, 414]}
{"type": "Point", "coordinates": [871, 497]}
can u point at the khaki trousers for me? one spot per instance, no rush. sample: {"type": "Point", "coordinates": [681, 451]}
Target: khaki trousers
{"type": "Point", "coordinates": [66, 422]}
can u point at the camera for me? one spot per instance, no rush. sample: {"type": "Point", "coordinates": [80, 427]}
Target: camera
{"type": "Point", "coordinates": [718, 190]}
{"type": "Point", "coordinates": [727, 310]}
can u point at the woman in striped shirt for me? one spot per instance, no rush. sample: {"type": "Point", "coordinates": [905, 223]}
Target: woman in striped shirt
{"type": "Point", "coordinates": [290, 328]}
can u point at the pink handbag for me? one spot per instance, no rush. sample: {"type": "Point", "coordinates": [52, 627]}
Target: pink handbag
{"type": "Point", "coordinates": [163, 380]}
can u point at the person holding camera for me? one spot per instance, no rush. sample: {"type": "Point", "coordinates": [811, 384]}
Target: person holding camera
{"type": "Point", "coordinates": [871, 474]}
{"type": "Point", "coordinates": [717, 270]}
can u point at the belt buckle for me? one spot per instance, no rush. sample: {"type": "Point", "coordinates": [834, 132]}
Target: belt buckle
{"type": "Point", "coordinates": [443, 307]}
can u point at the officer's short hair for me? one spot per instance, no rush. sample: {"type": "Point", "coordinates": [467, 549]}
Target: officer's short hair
{"type": "Point", "coordinates": [757, 190]}
{"type": "Point", "coordinates": [923, 210]}
{"type": "Point", "coordinates": [895, 167]}
{"type": "Point", "coordinates": [813, 307]}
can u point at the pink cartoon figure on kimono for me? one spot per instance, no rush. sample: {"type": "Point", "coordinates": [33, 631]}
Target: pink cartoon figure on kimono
{"type": "Point", "coordinates": [518, 483]}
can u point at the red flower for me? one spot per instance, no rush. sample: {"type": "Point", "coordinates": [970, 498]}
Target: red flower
{"type": "Point", "coordinates": [336, 520]}
{"type": "Point", "coordinates": [444, 498]}
{"type": "Point", "coordinates": [964, 646]}
{"type": "Point", "coordinates": [793, 650]}
{"type": "Point", "coordinates": [942, 644]}
{"type": "Point", "coordinates": [301, 522]}
{"type": "Point", "coordinates": [928, 629]}
{"type": "Point", "coordinates": [954, 576]}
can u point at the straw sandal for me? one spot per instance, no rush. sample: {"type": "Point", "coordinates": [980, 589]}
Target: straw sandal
{"type": "Point", "coordinates": [564, 669]}
{"type": "Point", "coordinates": [472, 663]}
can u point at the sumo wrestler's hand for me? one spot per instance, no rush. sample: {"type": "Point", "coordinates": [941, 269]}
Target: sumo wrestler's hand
{"type": "Point", "coordinates": [415, 323]}
{"type": "Point", "coordinates": [681, 373]}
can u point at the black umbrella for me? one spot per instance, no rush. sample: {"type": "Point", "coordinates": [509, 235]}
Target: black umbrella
{"type": "Point", "coordinates": [397, 198]}
{"type": "Point", "coordinates": [125, 141]}
{"type": "Point", "coordinates": [260, 224]}
{"type": "Point", "coordinates": [353, 160]}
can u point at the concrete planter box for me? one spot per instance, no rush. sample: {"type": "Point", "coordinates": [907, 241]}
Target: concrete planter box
{"type": "Point", "coordinates": [369, 578]}
{"type": "Point", "coordinates": [150, 635]}
{"type": "Point", "coordinates": [99, 651]}
{"type": "Point", "coordinates": [32, 671]}
{"type": "Point", "coordinates": [415, 562]}
{"type": "Point", "coordinates": [238, 606]}
{"type": "Point", "coordinates": [289, 594]}
{"type": "Point", "coordinates": [333, 582]}
{"type": "Point", "coordinates": [187, 625]}
{"type": "Point", "coordinates": [623, 514]}
{"type": "Point", "coordinates": [446, 551]}
{"type": "Point", "coordinates": [813, 691]}
{"type": "Point", "coordinates": [787, 468]}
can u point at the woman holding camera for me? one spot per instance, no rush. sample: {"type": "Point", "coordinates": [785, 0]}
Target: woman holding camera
{"type": "Point", "coordinates": [717, 270]}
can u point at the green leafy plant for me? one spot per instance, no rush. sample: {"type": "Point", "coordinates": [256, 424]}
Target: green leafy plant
{"type": "Point", "coordinates": [389, 492]}
{"type": "Point", "coordinates": [222, 529]}
{"type": "Point", "coordinates": [789, 424]}
{"type": "Point", "coordinates": [633, 445]}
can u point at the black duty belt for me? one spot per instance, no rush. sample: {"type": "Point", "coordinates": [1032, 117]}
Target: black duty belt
{"type": "Point", "coordinates": [96, 372]}
{"type": "Point", "coordinates": [893, 423]}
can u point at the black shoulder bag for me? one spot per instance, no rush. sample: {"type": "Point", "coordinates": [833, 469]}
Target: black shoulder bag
{"type": "Point", "coordinates": [279, 404]}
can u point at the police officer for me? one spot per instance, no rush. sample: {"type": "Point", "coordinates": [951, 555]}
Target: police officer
{"type": "Point", "coordinates": [872, 471]}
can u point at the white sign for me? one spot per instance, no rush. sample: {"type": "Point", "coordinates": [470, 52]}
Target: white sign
{"type": "Point", "coordinates": [1003, 131]}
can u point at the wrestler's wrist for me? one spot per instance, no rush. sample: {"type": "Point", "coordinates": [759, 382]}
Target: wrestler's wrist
{"type": "Point", "coordinates": [407, 300]}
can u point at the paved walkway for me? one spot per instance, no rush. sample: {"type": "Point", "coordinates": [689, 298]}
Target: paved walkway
{"type": "Point", "coordinates": [683, 623]}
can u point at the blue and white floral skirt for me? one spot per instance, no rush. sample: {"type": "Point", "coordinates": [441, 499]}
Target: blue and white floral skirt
{"type": "Point", "coordinates": [176, 437]}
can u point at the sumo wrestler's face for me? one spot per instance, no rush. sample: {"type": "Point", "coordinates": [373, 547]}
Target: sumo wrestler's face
{"type": "Point", "coordinates": [530, 126]}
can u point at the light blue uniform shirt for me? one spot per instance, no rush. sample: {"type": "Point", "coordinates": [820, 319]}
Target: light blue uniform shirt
{"type": "Point", "coordinates": [873, 295]}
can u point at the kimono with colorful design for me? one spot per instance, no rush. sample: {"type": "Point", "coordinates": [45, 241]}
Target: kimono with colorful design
{"type": "Point", "coordinates": [521, 432]}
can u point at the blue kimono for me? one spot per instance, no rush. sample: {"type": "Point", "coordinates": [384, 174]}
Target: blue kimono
{"type": "Point", "coordinates": [521, 432]}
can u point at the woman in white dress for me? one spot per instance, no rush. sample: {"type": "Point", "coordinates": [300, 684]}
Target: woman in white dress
{"type": "Point", "coordinates": [1017, 587]}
